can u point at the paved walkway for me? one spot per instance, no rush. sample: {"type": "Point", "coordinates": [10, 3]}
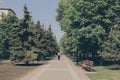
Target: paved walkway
{"type": "Point", "coordinates": [63, 69]}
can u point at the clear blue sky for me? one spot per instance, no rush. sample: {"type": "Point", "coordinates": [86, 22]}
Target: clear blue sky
{"type": "Point", "coordinates": [42, 10]}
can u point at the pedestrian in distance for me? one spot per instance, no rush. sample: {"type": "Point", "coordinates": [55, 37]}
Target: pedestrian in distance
{"type": "Point", "coordinates": [58, 55]}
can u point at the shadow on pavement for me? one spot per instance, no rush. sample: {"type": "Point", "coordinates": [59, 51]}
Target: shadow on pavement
{"type": "Point", "coordinates": [33, 64]}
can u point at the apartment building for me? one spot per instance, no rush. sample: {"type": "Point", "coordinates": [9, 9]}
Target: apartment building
{"type": "Point", "coordinates": [5, 11]}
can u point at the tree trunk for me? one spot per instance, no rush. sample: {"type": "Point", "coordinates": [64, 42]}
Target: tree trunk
{"type": "Point", "coordinates": [27, 62]}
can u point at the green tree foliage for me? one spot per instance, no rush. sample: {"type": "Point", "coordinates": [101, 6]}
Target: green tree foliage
{"type": "Point", "coordinates": [23, 43]}
{"type": "Point", "coordinates": [40, 32]}
{"type": "Point", "coordinates": [111, 47]}
{"type": "Point", "coordinates": [31, 41]}
{"type": "Point", "coordinates": [37, 37]}
{"type": "Point", "coordinates": [42, 41]}
{"type": "Point", "coordinates": [66, 46]}
{"type": "Point", "coordinates": [108, 51]}
{"type": "Point", "coordinates": [49, 46]}
{"type": "Point", "coordinates": [6, 25]}
{"type": "Point", "coordinates": [87, 24]}
{"type": "Point", "coordinates": [52, 42]}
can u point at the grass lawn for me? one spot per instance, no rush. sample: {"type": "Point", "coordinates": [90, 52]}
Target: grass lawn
{"type": "Point", "coordinates": [10, 72]}
{"type": "Point", "coordinates": [102, 73]}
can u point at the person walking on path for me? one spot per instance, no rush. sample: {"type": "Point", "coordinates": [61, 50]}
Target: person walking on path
{"type": "Point", "coordinates": [59, 55]}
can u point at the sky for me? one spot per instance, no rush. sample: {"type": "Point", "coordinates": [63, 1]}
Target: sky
{"type": "Point", "coordinates": [42, 10]}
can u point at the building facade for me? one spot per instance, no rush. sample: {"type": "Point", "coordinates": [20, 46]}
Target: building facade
{"type": "Point", "coordinates": [5, 11]}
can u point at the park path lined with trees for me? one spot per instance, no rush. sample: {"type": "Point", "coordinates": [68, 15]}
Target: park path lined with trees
{"type": "Point", "coordinates": [90, 27]}
{"type": "Point", "coordinates": [92, 32]}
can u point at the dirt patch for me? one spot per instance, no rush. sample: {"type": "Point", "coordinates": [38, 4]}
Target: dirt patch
{"type": "Point", "coordinates": [10, 72]}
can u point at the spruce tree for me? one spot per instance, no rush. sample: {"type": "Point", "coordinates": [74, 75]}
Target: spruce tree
{"type": "Point", "coordinates": [52, 43]}
{"type": "Point", "coordinates": [6, 25]}
{"type": "Point", "coordinates": [25, 50]}
{"type": "Point", "coordinates": [39, 33]}
{"type": "Point", "coordinates": [44, 43]}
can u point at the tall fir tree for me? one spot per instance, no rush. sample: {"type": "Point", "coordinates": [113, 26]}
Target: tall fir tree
{"type": "Point", "coordinates": [6, 25]}
{"type": "Point", "coordinates": [43, 39]}
{"type": "Point", "coordinates": [25, 52]}
{"type": "Point", "coordinates": [39, 33]}
{"type": "Point", "coordinates": [52, 43]}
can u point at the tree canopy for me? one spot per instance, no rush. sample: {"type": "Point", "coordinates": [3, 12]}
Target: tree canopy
{"type": "Point", "coordinates": [87, 25]}
{"type": "Point", "coordinates": [6, 25]}
{"type": "Point", "coordinates": [22, 40]}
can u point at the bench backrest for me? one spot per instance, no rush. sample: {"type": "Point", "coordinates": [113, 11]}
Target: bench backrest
{"type": "Point", "coordinates": [89, 63]}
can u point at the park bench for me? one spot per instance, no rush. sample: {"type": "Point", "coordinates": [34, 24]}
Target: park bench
{"type": "Point", "coordinates": [87, 65]}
